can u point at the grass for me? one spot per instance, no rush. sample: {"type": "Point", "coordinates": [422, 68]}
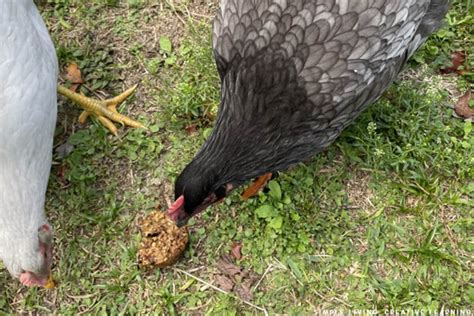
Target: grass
{"type": "Point", "coordinates": [381, 220]}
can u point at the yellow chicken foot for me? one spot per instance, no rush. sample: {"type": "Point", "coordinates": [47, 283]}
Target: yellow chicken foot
{"type": "Point", "coordinates": [104, 110]}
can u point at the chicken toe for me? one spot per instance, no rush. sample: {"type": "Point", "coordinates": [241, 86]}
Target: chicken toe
{"type": "Point", "coordinates": [104, 110]}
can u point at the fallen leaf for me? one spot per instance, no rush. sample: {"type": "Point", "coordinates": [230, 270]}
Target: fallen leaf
{"type": "Point", "coordinates": [235, 279]}
{"type": "Point", "coordinates": [258, 184]}
{"type": "Point", "coordinates": [74, 75]}
{"type": "Point", "coordinates": [457, 60]}
{"type": "Point", "coordinates": [237, 251]}
{"type": "Point", "coordinates": [243, 290]}
{"type": "Point", "coordinates": [228, 268]}
{"type": "Point", "coordinates": [191, 129]}
{"type": "Point", "coordinates": [61, 173]}
{"type": "Point", "coordinates": [462, 106]}
{"type": "Point", "coordinates": [224, 283]}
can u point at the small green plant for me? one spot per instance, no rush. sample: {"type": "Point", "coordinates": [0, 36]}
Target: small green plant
{"type": "Point", "coordinates": [166, 49]}
{"type": "Point", "coordinates": [197, 83]}
{"type": "Point", "coordinates": [166, 57]}
{"type": "Point", "coordinates": [454, 36]}
{"type": "Point", "coordinates": [380, 220]}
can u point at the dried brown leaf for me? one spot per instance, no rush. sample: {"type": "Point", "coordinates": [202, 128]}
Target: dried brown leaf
{"type": "Point", "coordinates": [224, 283]}
{"type": "Point", "coordinates": [228, 268]}
{"type": "Point", "coordinates": [73, 74]}
{"type": "Point", "coordinates": [243, 290]}
{"type": "Point", "coordinates": [191, 129]}
{"type": "Point", "coordinates": [61, 174]}
{"type": "Point", "coordinates": [235, 279]}
{"type": "Point", "coordinates": [462, 106]}
{"type": "Point", "coordinates": [236, 251]}
{"type": "Point", "coordinates": [457, 60]}
{"type": "Point", "coordinates": [258, 184]}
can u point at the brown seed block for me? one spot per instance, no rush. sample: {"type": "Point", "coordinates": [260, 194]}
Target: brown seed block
{"type": "Point", "coordinates": [162, 241]}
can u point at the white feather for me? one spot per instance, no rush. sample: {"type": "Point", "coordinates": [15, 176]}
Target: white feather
{"type": "Point", "coordinates": [28, 78]}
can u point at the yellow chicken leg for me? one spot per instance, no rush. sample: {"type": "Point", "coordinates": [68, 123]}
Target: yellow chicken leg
{"type": "Point", "coordinates": [104, 110]}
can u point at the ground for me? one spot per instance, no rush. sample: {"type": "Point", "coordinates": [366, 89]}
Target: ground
{"type": "Point", "coordinates": [380, 220]}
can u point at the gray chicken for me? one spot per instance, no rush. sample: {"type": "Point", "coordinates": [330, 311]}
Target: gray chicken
{"type": "Point", "coordinates": [294, 74]}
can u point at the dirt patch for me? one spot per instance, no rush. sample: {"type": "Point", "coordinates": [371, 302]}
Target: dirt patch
{"type": "Point", "coordinates": [359, 194]}
{"type": "Point", "coordinates": [434, 82]}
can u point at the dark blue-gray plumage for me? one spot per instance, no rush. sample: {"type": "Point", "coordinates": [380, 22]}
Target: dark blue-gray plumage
{"type": "Point", "coordinates": [294, 74]}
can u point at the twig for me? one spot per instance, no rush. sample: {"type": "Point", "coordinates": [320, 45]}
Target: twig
{"type": "Point", "coordinates": [196, 269]}
{"type": "Point", "coordinates": [263, 277]}
{"type": "Point", "coordinates": [342, 302]}
{"type": "Point", "coordinates": [338, 299]}
{"type": "Point", "coordinates": [175, 12]}
{"type": "Point", "coordinates": [221, 290]}
{"type": "Point", "coordinates": [280, 264]}
{"type": "Point", "coordinates": [209, 17]}
{"type": "Point", "coordinates": [97, 95]}
{"type": "Point", "coordinates": [191, 309]}
{"type": "Point", "coordinates": [81, 297]}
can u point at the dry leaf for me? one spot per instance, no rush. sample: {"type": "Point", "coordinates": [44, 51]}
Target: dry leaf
{"type": "Point", "coordinates": [457, 60]}
{"type": "Point", "coordinates": [74, 75]}
{"type": "Point", "coordinates": [462, 106]}
{"type": "Point", "coordinates": [191, 129]}
{"type": "Point", "coordinates": [237, 251]}
{"type": "Point", "coordinates": [258, 184]}
{"type": "Point", "coordinates": [224, 283]}
{"type": "Point", "coordinates": [61, 173]}
{"type": "Point", "coordinates": [235, 279]}
{"type": "Point", "coordinates": [243, 290]}
{"type": "Point", "coordinates": [228, 268]}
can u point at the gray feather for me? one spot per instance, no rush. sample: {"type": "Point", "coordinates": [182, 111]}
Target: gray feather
{"type": "Point", "coordinates": [296, 73]}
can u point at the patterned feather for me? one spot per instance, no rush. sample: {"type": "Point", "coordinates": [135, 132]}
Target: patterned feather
{"type": "Point", "coordinates": [296, 73]}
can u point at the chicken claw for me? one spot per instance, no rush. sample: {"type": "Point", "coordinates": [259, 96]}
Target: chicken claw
{"type": "Point", "coordinates": [104, 110]}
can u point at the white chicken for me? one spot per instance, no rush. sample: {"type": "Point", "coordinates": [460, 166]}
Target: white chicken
{"type": "Point", "coordinates": [28, 80]}
{"type": "Point", "coordinates": [28, 83]}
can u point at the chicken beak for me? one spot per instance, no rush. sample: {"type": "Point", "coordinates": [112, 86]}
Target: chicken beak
{"type": "Point", "coordinates": [176, 210]}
